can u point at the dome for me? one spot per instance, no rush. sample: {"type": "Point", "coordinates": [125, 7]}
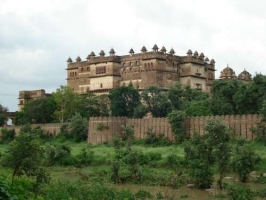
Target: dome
{"type": "Point", "coordinates": [102, 53]}
{"type": "Point", "coordinates": [227, 73]}
{"type": "Point", "coordinates": [78, 59]}
{"type": "Point", "coordinates": [143, 49]}
{"type": "Point", "coordinates": [163, 49]}
{"type": "Point", "coordinates": [172, 51]}
{"type": "Point", "coordinates": [189, 52]}
{"type": "Point", "coordinates": [245, 76]}
{"type": "Point", "coordinates": [155, 48]}
{"type": "Point", "coordinates": [69, 60]}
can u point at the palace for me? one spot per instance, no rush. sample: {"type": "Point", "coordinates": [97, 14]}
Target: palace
{"type": "Point", "coordinates": [100, 74]}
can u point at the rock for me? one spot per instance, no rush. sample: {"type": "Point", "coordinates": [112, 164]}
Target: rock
{"type": "Point", "coordinates": [252, 173]}
{"type": "Point", "coordinates": [264, 174]}
{"type": "Point", "coordinates": [228, 178]}
{"type": "Point", "coordinates": [190, 185]}
{"type": "Point", "coordinates": [210, 190]}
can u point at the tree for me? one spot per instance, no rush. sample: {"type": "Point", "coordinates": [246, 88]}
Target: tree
{"type": "Point", "coordinates": [123, 101]}
{"type": "Point", "coordinates": [176, 120]}
{"type": "Point", "coordinates": [67, 103]}
{"type": "Point", "coordinates": [200, 160]}
{"type": "Point", "coordinates": [202, 152]}
{"type": "Point", "coordinates": [3, 110]}
{"type": "Point", "coordinates": [244, 160]}
{"type": "Point", "coordinates": [38, 111]}
{"type": "Point", "coordinates": [78, 127]}
{"type": "Point", "coordinates": [222, 96]}
{"type": "Point", "coordinates": [175, 95]}
{"type": "Point", "coordinates": [24, 156]}
{"type": "Point", "coordinates": [218, 137]}
{"type": "Point", "coordinates": [197, 108]}
{"type": "Point", "coordinates": [156, 101]}
{"type": "Point", "coordinates": [94, 106]}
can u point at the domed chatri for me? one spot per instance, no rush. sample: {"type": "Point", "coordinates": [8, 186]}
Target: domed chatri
{"type": "Point", "coordinates": [155, 48]}
{"type": "Point", "coordinates": [112, 52]}
{"type": "Point", "coordinates": [78, 59]}
{"type": "Point", "coordinates": [163, 50]}
{"type": "Point", "coordinates": [143, 49]}
{"type": "Point", "coordinates": [172, 51]}
{"type": "Point", "coordinates": [102, 53]}
{"type": "Point", "coordinates": [196, 54]}
{"type": "Point", "coordinates": [69, 60]}
{"type": "Point", "coordinates": [244, 76]}
{"type": "Point", "coordinates": [189, 52]}
{"type": "Point", "coordinates": [227, 73]}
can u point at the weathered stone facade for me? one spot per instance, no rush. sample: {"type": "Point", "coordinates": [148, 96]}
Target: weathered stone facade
{"type": "Point", "coordinates": [228, 73]}
{"type": "Point", "coordinates": [26, 96]}
{"type": "Point", "coordinates": [100, 74]}
{"type": "Point", "coordinates": [241, 125]}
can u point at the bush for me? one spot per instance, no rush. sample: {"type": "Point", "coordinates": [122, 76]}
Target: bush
{"type": "Point", "coordinates": [153, 140]}
{"type": "Point", "coordinates": [239, 192]}
{"type": "Point", "coordinates": [85, 158]}
{"type": "Point", "coordinates": [8, 134]}
{"type": "Point", "coordinates": [244, 160]}
{"type": "Point", "coordinates": [58, 154]}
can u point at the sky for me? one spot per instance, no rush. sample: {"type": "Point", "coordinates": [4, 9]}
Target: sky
{"type": "Point", "coordinates": [37, 37]}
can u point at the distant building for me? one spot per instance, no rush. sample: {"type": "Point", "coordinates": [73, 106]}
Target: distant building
{"type": "Point", "coordinates": [100, 74]}
{"type": "Point", "coordinates": [26, 96]}
{"type": "Point", "coordinates": [228, 74]}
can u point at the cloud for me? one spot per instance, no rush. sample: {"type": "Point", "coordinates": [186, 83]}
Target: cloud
{"type": "Point", "coordinates": [37, 37]}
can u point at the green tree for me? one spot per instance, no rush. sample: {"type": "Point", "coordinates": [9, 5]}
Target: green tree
{"type": "Point", "coordinates": [176, 120]}
{"type": "Point", "coordinates": [175, 95]}
{"type": "Point", "coordinates": [222, 96]}
{"type": "Point", "coordinates": [197, 108]}
{"type": "Point", "coordinates": [39, 111]}
{"type": "Point", "coordinates": [156, 101]}
{"type": "Point", "coordinates": [3, 110]}
{"type": "Point", "coordinates": [200, 160]}
{"type": "Point", "coordinates": [24, 156]}
{"type": "Point", "coordinates": [67, 103]}
{"type": "Point", "coordinates": [123, 101]}
{"type": "Point", "coordinates": [78, 127]}
{"type": "Point", "coordinates": [243, 160]}
{"type": "Point", "coordinates": [218, 137]}
{"type": "Point", "coordinates": [94, 106]}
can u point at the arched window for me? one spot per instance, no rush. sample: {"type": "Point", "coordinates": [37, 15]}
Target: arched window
{"type": "Point", "coordinates": [151, 66]}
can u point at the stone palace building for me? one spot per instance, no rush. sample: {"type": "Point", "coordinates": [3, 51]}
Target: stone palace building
{"type": "Point", "coordinates": [100, 74]}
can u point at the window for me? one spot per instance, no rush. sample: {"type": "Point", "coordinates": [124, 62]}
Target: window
{"type": "Point", "coordinates": [101, 70]}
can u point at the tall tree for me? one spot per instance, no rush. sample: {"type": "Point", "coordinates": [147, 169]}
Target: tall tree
{"type": "Point", "coordinates": [124, 100]}
{"type": "Point", "coordinates": [222, 96]}
{"type": "Point", "coordinates": [3, 110]}
{"type": "Point", "coordinates": [67, 102]}
{"type": "Point", "coordinates": [94, 106]}
{"type": "Point", "coordinates": [39, 111]}
{"type": "Point", "coordinates": [156, 101]}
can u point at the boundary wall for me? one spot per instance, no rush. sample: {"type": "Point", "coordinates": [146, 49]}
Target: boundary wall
{"type": "Point", "coordinates": [103, 129]}
{"type": "Point", "coordinates": [51, 128]}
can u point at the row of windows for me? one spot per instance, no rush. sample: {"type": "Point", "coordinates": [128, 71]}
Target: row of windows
{"type": "Point", "coordinates": [73, 74]}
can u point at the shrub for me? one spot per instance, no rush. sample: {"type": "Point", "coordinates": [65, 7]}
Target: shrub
{"type": "Point", "coordinates": [58, 154]}
{"type": "Point", "coordinates": [153, 140]}
{"type": "Point", "coordinates": [8, 134]}
{"type": "Point", "coordinates": [85, 157]}
{"type": "Point", "coordinates": [244, 160]}
{"type": "Point", "coordinates": [239, 192]}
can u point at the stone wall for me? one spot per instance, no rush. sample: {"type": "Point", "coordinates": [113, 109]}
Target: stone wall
{"type": "Point", "coordinates": [103, 129]}
{"type": "Point", "coordinates": [52, 128]}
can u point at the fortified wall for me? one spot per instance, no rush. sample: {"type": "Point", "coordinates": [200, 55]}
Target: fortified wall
{"type": "Point", "coordinates": [103, 129]}
{"type": "Point", "coordinates": [52, 128]}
